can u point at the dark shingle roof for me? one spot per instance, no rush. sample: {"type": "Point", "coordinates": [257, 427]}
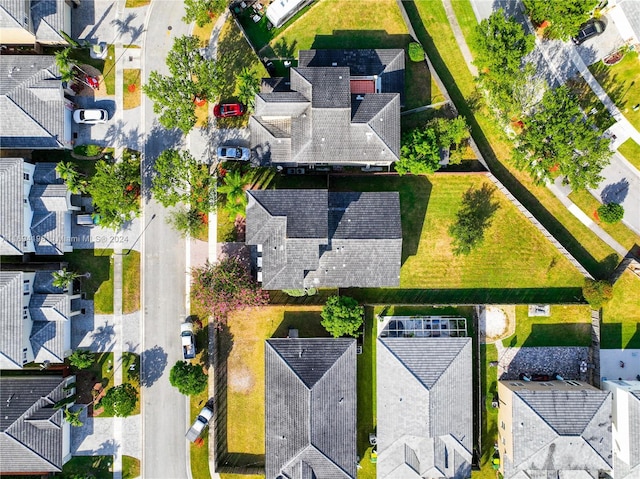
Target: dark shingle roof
{"type": "Point", "coordinates": [324, 122]}
{"type": "Point", "coordinates": [312, 238]}
{"type": "Point", "coordinates": [310, 408]}
{"type": "Point", "coordinates": [388, 64]}
{"type": "Point", "coordinates": [558, 430]}
{"type": "Point", "coordinates": [31, 101]}
{"type": "Point", "coordinates": [48, 20]}
{"type": "Point", "coordinates": [11, 206]}
{"type": "Point", "coordinates": [31, 437]}
{"type": "Point", "coordinates": [424, 407]}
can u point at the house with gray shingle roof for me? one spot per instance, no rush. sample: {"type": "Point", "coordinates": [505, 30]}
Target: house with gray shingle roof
{"type": "Point", "coordinates": [424, 407]}
{"type": "Point", "coordinates": [340, 107]}
{"type": "Point", "coordinates": [310, 400]}
{"type": "Point", "coordinates": [35, 113]}
{"type": "Point", "coordinates": [32, 22]}
{"type": "Point", "coordinates": [34, 437]}
{"type": "Point", "coordinates": [318, 238]}
{"type": "Point", "coordinates": [554, 429]}
{"type": "Point", "coordinates": [36, 209]}
{"type": "Point", "coordinates": [625, 427]}
{"type": "Point", "coordinates": [35, 318]}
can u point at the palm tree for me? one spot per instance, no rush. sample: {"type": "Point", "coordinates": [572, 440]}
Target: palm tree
{"type": "Point", "coordinates": [234, 186]}
{"type": "Point", "coordinates": [65, 64]}
{"type": "Point", "coordinates": [71, 176]}
{"type": "Point", "coordinates": [73, 418]}
{"type": "Point", "coordinates": [248, 86]}
{"type": "Point", "coordinates": [63, 278]}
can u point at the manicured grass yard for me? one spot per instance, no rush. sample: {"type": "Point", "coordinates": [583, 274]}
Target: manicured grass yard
{"type": "Point", "coordinates": [199, 454]}
{"type": "Point", "coordinates": [567, 326]}
{"type": "Point", "coordinates": [130, 467]}
{"type": "Point", "coordinates": [131, 88]}
{"type": "Point", "coordinates": [245, 368]}
{"type": "Point", "coordinates": [530, 265]}
{"type": "Point", "coordinates": [589, 204]}
{"type": "Point", "coordinates": [340, 24]}
{"type": "Point", "coordinates": [489, 378]}
{"type": "Point", "coordinates": [433, 30]}
{"type": "Point", "coordinates": [109, 72]}
{"type": "Point", "coordinates": [136, 3]}
{"type": "Point", "coordinates": [620, 81]}
{"type": "Point", "coordinates": [621, 316]}
{"type": "Point", "coordinates": [131, 282]}
{"type": "Point", "coordinates": [631, 151]}
{"type": "Point", "coordinates": [100, 467]}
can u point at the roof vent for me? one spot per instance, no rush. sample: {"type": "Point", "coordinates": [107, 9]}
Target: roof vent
{"type": "Point", "coordinates": [334, 64]}
{"type": "Point", "coordinates": [340, 76]}
{"type": "Point", "coordinates": [359, 97]}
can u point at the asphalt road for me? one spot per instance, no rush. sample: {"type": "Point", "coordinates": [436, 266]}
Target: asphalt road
{"type": "Point", "coordinates": [164, 268]}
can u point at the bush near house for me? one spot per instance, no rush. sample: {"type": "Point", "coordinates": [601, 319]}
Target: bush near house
{"type": "Point", "coordinates": [416, 52]}
{"type": "Point", "coordinates": [597, 293]}
{"type": "Point", "coordinates": [611, 213]}
{"type": "Point", "coordinates": [342, 316]}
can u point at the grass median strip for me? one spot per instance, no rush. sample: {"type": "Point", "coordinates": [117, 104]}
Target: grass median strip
{"type": "Point", "coordinates": [631, 151]}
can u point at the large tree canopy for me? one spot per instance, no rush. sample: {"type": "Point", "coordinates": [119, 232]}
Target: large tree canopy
{"type": "Point", "coordinates": [472, 219]}
{"type": "Point", "coordinates": [558, 138]}
{"type": "Point", "coordinates": [179, 177]}
{"type": "Point", "coordinates": [202, 11]}
{"type": "Point", "coordinates": [564, 16]}
{"type": "Point", "coordinates": [115, 190]}
{"type": "Point", "coordinates": [191, 77]}
{"type": "Point", "coordinates": [188, 378]}
{"type": "Point", "coordinates": [501, 45]}
{"type": "Point", "coordinates": [120, 400]}
{"type": "Point", "coordinates": [342, 316]}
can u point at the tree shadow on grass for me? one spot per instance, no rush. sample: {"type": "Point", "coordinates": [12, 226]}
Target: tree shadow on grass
{"type": "Point", "coordinates": [616, 88]}
{"type": "Point", "coordinates": [548, 220]}
{"type": "Point", "coordinates": [306, 322]}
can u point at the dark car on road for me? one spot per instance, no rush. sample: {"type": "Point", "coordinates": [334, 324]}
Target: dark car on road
{"type": "Point", "coordinates": [228, 109]}
{"type": "Point", "coordinates": [590, 29]}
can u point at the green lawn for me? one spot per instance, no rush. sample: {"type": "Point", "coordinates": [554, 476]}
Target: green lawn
{"type": "Point", "coordinates": [340, 24]}
{"type": "Point", "coordinates": [589, 102]}
{"type": "Point", "coordinates": [131, 282]}
{"type": "Point", "coordinates": [130, 467]}
{"type": "Point", "coordinates": [589, 204]}
{"type": "Point", "coordinates": [433, 30]}
{"type": "Point", "coordinates": [109, 71]}
{"type": "Point", "coordinates": [631, 151]}
{"type": "Point", "coordinates": [567, 326]}
{"type": "Point", "coordinates": [103, 297]}
{"type": "Point", "coordinates": [621, 316]}
{"type": "Point", "coordinates": [366, 390]}
{"type": "Point", "coordinates": [620, 83]}
{"type": "Point", "coordinates": [245, 371]}
{"type": "Point", "coordinates": [100, 467]}
{"type": "Point", "coordinates": [131, 88]}
{"type": "Point", "coordinates": [530, 265]}
{"type": "Point", "coordinates": [199, 454]}
{"type": "Point", "coordinates": [489, 379]}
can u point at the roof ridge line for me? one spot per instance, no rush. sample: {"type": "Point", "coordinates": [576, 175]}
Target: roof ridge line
{"type": "Point", "coordinates": [404, 365]}
{"type": "Point", "coordinates": [28, 448]}
{"type": "Point", "coordinates": [290, 368]}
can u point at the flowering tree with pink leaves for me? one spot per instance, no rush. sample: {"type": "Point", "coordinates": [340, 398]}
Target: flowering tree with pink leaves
{"type": "Point", "coordinates": [226, 286]}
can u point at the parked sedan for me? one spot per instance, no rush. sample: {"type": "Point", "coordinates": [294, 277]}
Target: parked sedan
{"type": "Point", "coordinates": [238, 153]}
{"type": "Point", "coordinates": [590, 29]}
{"type": "Point", "coordinates": [90, 117]}
{"type": "Point", "coordinates": [228, 109]}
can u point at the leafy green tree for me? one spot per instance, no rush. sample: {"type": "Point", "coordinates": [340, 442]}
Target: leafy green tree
{"type": "Point", "coordinates": [187, 221]}
{"type": "Point", "coordinates": [557, 137]}
{"type": "Point", "coordinates": [501, 45]}
{"type": "Point", "coordinates": [597, 293]}
{"type": "Point", "coordinates": [248, 84]}
{"type": "Point", "coordinates": [188, 378]}
{"type": "Point", "coordinates": [73, 418]}
{"type": "Point", "coordinates": [452, 134]}
{"type": "Point", "coordinates": [472, 219]}
{"type": "Point", "coordinates": [82, 359]}
{"type": "Point", "coordinates": [342, 316]}
{"type": "Point", "coordinates": [202, 11]}
{"type": "Point", "coordinates": [65, 64]}
{"type": "Point", "coordinates": [180, 178]}
{"type": "Point", "coordinates": [416, 52]}
{"type": "Point", "coordinates": [120, 400]}
{"type": "Point", "coordinates": [191, 77]}
{"type": "Point", "coordinates": [564, 16]}
{"type": "Point", "coordinates": [63, 278]}
{"type": "Point", "coordinates": [611, 213]}
{"type": "Point", "coordinates": [419, 152]}
{"type": "Point", "coordinates": [72, 178]}
{"type": "Point", "coordinates": [235, 183]}
{"type": "Point", "coordinates": [115, 190]}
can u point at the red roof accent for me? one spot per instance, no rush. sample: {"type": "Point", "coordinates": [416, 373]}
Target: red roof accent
{"type": "Point", "coordinates": [363, 86]}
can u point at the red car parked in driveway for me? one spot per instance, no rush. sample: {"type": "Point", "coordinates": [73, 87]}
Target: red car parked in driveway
{"type": "Point", "coordinates": [228, 109]}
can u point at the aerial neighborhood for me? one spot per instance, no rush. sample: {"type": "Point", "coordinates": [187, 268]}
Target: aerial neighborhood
{"type": "Point", "coordinates": [320, 239]}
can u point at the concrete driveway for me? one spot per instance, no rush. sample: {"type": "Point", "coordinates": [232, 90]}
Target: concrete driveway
{"type": "Point", "coordinates": [124, 132]}
{"type": "Point", "coordinates": [621, 185]}
{"type": "Point", "coordinates": [96, 436]}
{"type": "Point", "coordinates": [97, 332]}
{"type": "Point", "coordinates": [98, 21]}
{"type": "Point", "coordinates": [596, 48]}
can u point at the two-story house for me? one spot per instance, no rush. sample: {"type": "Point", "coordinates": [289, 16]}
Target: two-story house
{"type": "Point", "coordinates": [35, 23]}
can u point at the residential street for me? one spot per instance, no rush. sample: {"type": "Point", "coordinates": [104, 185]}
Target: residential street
{"type": "Point", "coordinates": [164, 268]}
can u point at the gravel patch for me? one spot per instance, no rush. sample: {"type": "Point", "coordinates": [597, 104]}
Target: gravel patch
{"type": "Point", "coordinates": [549, 360]}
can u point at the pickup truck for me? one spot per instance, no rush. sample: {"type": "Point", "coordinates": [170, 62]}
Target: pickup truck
{"type": "Point", "coordinates": [199, 424]}
{"type": "Point", "coordinates": [188, 341]}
